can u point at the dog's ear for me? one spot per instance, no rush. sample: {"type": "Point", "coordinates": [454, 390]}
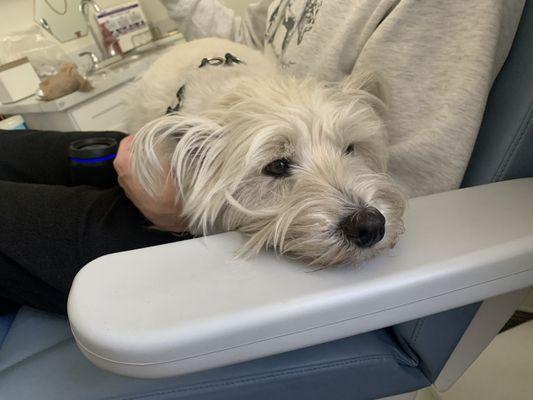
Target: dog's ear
{"type": "Point", "coordinates": [171, 144]}
{"type": "Point", "coordinates": [368, 85]}
{"type": "Point", "coordinates": [191, 149]}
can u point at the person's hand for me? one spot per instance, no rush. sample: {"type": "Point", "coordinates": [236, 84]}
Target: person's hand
{"type": "Point", "coordinates": [162, 210]}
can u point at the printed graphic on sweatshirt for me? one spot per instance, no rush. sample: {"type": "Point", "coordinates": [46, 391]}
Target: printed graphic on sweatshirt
{"type": "Point", "coordinates": [289, 21]}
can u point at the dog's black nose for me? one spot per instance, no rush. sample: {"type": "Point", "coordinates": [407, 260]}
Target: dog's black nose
{"type": "Point", "coordinates": [365, 227]}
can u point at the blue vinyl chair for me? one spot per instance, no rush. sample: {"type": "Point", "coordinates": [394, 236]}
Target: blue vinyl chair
{"type": "Point", "coordinates": [39, 358]}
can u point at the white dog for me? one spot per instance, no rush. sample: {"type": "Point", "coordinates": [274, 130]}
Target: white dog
{"type": "Point", "coordinates": [298, 165]}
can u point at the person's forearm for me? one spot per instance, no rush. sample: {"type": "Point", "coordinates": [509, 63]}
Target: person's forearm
{"type": "Point", "coordinates": [205, 18]}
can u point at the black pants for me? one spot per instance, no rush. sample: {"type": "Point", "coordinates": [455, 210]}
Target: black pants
{"type": "Point", "coordinates": [49, 229]}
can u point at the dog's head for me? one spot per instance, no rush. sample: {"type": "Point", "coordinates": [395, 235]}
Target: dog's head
{"type": "Point", "coordinates": [298, 165]}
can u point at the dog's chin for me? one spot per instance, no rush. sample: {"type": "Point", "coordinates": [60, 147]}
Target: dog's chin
{"type": "Point", "coordinates": [338, 250]}
{"type": "Point", "coordinates": [345, 255]}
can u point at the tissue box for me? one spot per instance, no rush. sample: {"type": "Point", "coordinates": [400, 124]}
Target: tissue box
{"type": "Point", "coordinates": [18, 80]}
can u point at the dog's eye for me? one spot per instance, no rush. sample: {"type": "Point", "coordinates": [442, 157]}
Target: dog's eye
{"type": "Point", "coordinates": [349, 149]}
{"type": "Point", "coordinates": [279, 168]}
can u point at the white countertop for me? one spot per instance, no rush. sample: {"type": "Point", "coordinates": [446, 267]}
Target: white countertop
{"type": "Point", "coordinates": [106, 79]}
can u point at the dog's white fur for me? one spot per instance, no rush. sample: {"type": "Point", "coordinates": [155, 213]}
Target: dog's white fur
{"type": "Point", "coordinates": [237, 119]}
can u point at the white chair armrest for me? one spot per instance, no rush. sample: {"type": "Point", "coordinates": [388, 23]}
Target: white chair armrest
{"type": "Point", "coordinates": [188, 306]}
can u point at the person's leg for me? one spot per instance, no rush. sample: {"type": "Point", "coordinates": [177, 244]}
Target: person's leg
{"type": "Point", "coordinates": [40, 156]}
{"type": "Point", "coordinates": [34, 157]}
{"type": "Point", "coordinates": [50, 232]}
{"type": "Point", "coordinates": [18, 287]}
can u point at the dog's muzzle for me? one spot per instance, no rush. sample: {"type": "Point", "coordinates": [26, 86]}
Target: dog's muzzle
{"type": "Point", "coordinates": [364, 228]}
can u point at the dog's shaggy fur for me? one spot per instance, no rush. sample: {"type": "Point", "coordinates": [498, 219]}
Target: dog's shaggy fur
{"type": "Point", "coordinates": [329, 140]}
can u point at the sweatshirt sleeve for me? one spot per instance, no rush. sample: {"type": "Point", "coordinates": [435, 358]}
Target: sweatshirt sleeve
{"type": "Point", "coordinates": [438, 60]}
{"type": "Point", "coordinates": [204, 18]}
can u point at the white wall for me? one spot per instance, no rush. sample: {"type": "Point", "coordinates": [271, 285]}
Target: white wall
{"type": "Point", "coordinates": [15, 15]}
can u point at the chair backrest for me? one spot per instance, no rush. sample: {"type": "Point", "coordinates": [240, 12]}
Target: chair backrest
{"type": "Point", "coordinates": [503, 150]}
{"type": "Point", "coordinates": [504, 146]}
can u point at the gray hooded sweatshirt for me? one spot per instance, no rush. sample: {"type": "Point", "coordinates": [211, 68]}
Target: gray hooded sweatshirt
{"type": "Point", "coordinates": [437, 58]}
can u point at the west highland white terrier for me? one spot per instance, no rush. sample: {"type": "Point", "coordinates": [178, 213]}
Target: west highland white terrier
{"type": "Point", "coordinates": [298, 165]}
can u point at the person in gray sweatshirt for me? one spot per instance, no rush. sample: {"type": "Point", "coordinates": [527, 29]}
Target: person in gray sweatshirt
{"type": "Point", "coordinates": [436, 58]}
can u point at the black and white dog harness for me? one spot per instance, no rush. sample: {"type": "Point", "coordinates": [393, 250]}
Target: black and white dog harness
{"type": "Point", "coordinates": [228, 60]}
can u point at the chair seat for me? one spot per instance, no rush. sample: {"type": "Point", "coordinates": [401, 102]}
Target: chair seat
{"type": "Point", "coordinates": [39, 359]}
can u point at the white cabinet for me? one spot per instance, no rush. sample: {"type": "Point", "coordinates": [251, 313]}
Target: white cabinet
{"type": "Point", "coordinates": [105, 112]}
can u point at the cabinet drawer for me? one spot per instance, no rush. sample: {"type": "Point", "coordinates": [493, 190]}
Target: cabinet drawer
{"type": "Point", "coordinates": [105, 112]}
